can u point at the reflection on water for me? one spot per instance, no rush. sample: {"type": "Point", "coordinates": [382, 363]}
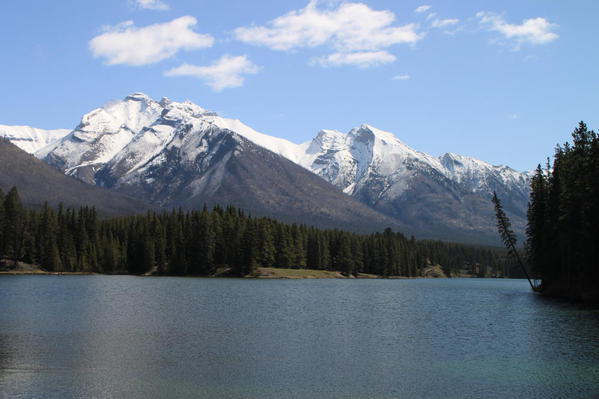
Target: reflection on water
{"type": "Point", "coordinates": [122, 336]}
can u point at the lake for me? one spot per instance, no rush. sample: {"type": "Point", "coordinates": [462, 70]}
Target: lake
{"type": "Point", "coordinates": [148, 337]}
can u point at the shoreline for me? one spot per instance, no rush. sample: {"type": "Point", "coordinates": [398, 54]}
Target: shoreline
{"type": "Point", "coordinates": [261, 273]}
{"type": "Point", "coordinates": [44, 273]}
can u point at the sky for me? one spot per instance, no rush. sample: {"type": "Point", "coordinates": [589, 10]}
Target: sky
{"type": "Point", "coordinates": [502, 81]}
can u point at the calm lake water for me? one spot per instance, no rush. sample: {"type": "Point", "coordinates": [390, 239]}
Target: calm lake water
{"type": "Point", "coordinates": [136, 337]}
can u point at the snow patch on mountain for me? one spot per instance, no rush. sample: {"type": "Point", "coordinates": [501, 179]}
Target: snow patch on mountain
{"type": "Point", "coordinates": [476, 175]}
{"type": "Point", "coordinates": [101, 134]}
{"type": "Point", "coordinates": [354, 160]}
{"type": "Point", "coordinates": [31, 139]}
{"type": "Point", "coordinates": [131, 135]}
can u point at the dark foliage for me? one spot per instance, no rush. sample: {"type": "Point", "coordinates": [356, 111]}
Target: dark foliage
{"type": "Point", "coordinates": [563, 218]}
{"type": "Point", "coordinates": [202, 242]}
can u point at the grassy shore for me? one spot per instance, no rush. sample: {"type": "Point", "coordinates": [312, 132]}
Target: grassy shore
{"type": "Point", "coordinates": [271, 272]}
{"type": "Point", "coordinates": [9, 268]}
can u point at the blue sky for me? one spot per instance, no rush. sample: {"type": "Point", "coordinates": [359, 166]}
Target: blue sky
{"type": "Point", "coordinates": [500, 81]}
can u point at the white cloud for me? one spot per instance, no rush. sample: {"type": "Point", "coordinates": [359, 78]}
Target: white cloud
{"type": "Point", "coordinates": [443, 23]}
{"type": "Point", "coordinates": [512, 116]}
{"type": "Point", "coordinates": [152, 4]}
{"type": "Point", "coordinates": [127, 44]}
{"type": "Point", "coordinates": [361, 59]}
{"type": "Point", "coordinates": [223, 74]}
{"type": "Point", "coordinates": [401, 77]}
{"type": "Point", "coordinates": [355, 32]}
{"type": "Point", "coordinates": [422, 8]}
{"type": "Point", "coordinates": [533, 31]}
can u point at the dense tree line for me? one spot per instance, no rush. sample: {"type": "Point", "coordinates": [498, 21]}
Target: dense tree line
{"type": "Point", "coordinates": [200, 242]}
{"type": "Point", "coordinates": [563, 218]}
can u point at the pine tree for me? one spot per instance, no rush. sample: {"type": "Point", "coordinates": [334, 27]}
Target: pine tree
{"type": "Point", "coordinates": [14, 224]}
{"type": "Point", "coordinates": [344, 260]}
{"type": "Point", "coordinates": [2, 223]}
{"type": "Point", "coordinates": [49, 255]}
{"type": "Point", "coordinates": [537, 223]}
{"type": "Point", "coordinates": [266, 251]}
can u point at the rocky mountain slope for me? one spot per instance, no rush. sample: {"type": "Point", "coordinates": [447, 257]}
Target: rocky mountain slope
{"type": "Point", "coordinates": [38, 182]}
{"type": "Point", "coordinates": [179, 154]}
{"type": "Point", "coordinates": [447, 197]}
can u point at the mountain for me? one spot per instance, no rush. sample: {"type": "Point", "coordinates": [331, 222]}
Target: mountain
{"type": "Point", "coordinates": [38, 182]}
{"type": "Point", "coordinates": [179, 154]}
{"type": "Point", "coordinates": [446, 197]}
{"type": "Point", "coordinates": [31, 139]}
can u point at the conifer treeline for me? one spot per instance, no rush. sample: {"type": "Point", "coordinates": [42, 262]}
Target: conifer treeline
{"type": "Point", "coordinates": [563, 218]}
{"type": "Point", "coordinates": [199, 242]}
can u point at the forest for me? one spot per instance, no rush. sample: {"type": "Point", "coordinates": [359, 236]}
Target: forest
{"type": "Point", "coordinates": [204, 242]}
{"type": "Point", "coordinates": [563, 219]}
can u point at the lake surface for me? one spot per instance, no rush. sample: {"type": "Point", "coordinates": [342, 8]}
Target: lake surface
{"type": "Point", "coordinates": [136, 337]}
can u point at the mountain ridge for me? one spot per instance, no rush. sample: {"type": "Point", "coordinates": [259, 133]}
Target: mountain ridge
{"type": "Point", "coordinates": [39, 183]}
{"type": "Point", "coordinates": [116, 144]}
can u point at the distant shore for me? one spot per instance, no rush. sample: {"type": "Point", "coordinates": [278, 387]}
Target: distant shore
{"type": "Point", "coordinates": [9, 269]}
{"type": "Point", "coordinates": [6, 268]}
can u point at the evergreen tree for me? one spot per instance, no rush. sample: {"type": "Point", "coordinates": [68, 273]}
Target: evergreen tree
{"type": "Point", "coordinates": [537, 222]}
{"type": "Point", "coordinates": [14, 224]}
{"type": "Point", "coordinates": [248, 261]}
{"type": "Point", "coordinates": [49, 255]}
{"type": "Point", "coordinates": [562, 218]}
{"type": "Point", "coordinates": [266, 252]}
{"type": "Point", "coordinates": [196, 242]}
{"type": "Point", "coordinates": [2, 223]}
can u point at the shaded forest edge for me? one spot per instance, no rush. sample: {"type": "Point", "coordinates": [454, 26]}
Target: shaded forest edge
{"type": "Point", "coordinates": [221, 242]}
{"type": "Point", "coordinates": [563, 220]}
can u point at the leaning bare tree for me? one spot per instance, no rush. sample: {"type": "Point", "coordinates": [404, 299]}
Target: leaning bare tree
{"type": "Point", "coordinates": [509, 237]}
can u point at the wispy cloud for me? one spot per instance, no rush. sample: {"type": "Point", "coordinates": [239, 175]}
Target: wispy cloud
{"type": "Point", "coordinates": [422, 8]}
{"type": "Point", "coordinates": [361, 59]}
{"type": "Point", "coordinates": [531, 31]}
{"type": "Point", "coordinates": [345, 28]}
{"type": "Point", "coordinates": [225, 73]}
{"type": "Point", "coordinates": [401, 77]}
{"type": "Point", "coordinates": [127, 44]}
{"type": "Point", "coordinates": [151, 4]}
{"type": "Point", "coordinates": [512, 116]}
{"type": "Point", "coordinates": [444, 23]}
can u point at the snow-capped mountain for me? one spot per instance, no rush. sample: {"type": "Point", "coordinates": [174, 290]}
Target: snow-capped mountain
{"type": "Point", "coordinates": [350, 161]}
{"type": "Point", "coordinates": [177, 154]}
{"type": "Point", "coordinates": [173, 152]}
{"type": "Point", "coordinates": [31, 139]}
{"type": "Point", "coordinates": [144, 127]}
{"type": "Point", "coordinates": [444, 196]}
{"type": "Point", "coordinates": [39, 183]}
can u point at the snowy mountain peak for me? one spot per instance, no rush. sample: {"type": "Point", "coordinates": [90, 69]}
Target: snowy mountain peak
{"type": "Point", "coordinates": [31, 139]}
{"type": "Point", "coordinates": [363, 134]}
{"type": "Point", "coordinates": [184, 110]}
{"type": "Point", "coordinates": [128, 141]}
{"type": "Point", "coordinates": [327, 140]}
{"type": "Point", "coordinates": [138, 96]}
{"type": "Point", "coordinates": [365, 130]}
{"type": "Point", "coordinates": [132, 113]}
{"type": "Point", "coordinates": [479, 176]}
